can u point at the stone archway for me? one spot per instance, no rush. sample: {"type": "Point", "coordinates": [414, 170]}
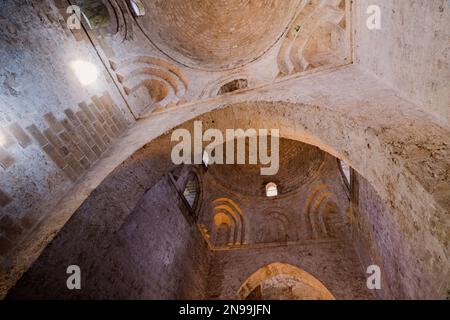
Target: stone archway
{"type": "Point", "coordinates": [386, 139]}
{"type": "Point", "coordinates": [283, 281]}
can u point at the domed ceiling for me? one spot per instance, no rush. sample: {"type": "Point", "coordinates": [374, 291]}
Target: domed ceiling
{"type": "Point", "coordinates": [216, 34]}
{"type": "Point", "coordinates": [299, 163]}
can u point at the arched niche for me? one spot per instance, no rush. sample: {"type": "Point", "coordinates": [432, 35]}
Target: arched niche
{"type": "Point", "coordinates": [232, 86]}
{"type": "Point", "coordinates": [222, 229]}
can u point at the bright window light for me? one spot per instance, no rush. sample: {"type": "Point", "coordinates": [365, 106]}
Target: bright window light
{"type": "Point", "coordinates": [271, 190]}
{"type": "Point", "coordinates": [345, 170]}
{"type": "Point", "coordinates": [85, 71]}
{"type": "Point", "coordinates": [205, 158]}
{"type": "Point", "coordinates": [138, 7]}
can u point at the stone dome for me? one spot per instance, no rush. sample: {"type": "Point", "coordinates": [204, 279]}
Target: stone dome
{"type": "Point", "coordinates": [299, 162]}
{"type": "Point", "coordinates": [216, 34]}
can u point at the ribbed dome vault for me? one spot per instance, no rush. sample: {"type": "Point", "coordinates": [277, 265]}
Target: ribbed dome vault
{"type": "Point", "coordinates": [299, 163]}
{"type": "Point", "coordinates": [216, 34]}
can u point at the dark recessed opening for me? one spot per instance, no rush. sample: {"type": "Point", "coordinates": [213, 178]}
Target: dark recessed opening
{"type": "Point", "coordinates": [234, 85]}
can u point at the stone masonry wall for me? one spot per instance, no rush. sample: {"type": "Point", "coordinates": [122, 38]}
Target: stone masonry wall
{"type": "Point", "coordinates": [104, 212]}
{"type": "Point", "coordinates": [298, 215]}
{"type": "Point", "coordinates": [411, 51]}
{"type": "Point", "coordinates": [52, 128]}
{"type": "Point", "coordinates": [377, 238]}
{"type": "Point", "coordinates": [335, 264]}
{"type": "Point", "coordinates": [156, 253]}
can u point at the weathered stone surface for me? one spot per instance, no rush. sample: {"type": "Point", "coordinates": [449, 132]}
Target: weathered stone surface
{"type": "Point", "coordinates": [335, 264]}
{"type": "Point", "coordinates": [418, 69]}
{"type": "Point", "coordinates": [79, 156]}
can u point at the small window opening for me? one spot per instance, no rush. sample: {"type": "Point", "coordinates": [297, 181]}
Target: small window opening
{"type": "Point", "coordinates": [138, 8]}
{"type": "Point", "coordinates": [191, 191]}
{"type": "Point", "coordinates": [205, 159]}
{"type": "Point", "coordinates": [233, 86]}
{"type": "Point", "coordinates": [345, 170]}
{"type": "Point", "coordinates": [95, 13]}
{"type": "Point", "coordinates": [271, 190]}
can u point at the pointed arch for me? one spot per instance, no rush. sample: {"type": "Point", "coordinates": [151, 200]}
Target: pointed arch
{"type": "Point", "coordinates": [320, 214]}
{"type": "Point", "coordinates": [276, 269]}
{"type": "Point", "coordinates": [222, 222]}
{"type": "Point", "coordinates": [231, 207]}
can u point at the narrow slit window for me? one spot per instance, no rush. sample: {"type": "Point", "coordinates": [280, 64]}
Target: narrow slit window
{"type": "Point", "coordinates": [345, 170]}
{"type": "Point", "coordinates": [191, 191]}
{"type": "Point", "coordinates": [205, 159]}
{"type": "Point", "coordinates": [138, 8]}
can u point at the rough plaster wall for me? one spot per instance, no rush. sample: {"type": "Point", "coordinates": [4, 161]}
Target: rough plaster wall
{"type": "Point", "coordinates": [379, 241]}
{"type": "Point", "coordinates": [103, 214]}
{"type": "Point", "coordinates": [411, 52]}
{"type": "Point", "coordinates": [50, 127]}
{"type": "Point", "coordinates": [155, 254]}
{"type": "Point", "coordinates": [160, 251]}
{"type": "Point", "coordinates": [335, 264]}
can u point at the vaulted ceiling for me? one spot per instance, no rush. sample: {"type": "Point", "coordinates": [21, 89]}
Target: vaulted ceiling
{"type": "Point", "coordinates": [216, 34]}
